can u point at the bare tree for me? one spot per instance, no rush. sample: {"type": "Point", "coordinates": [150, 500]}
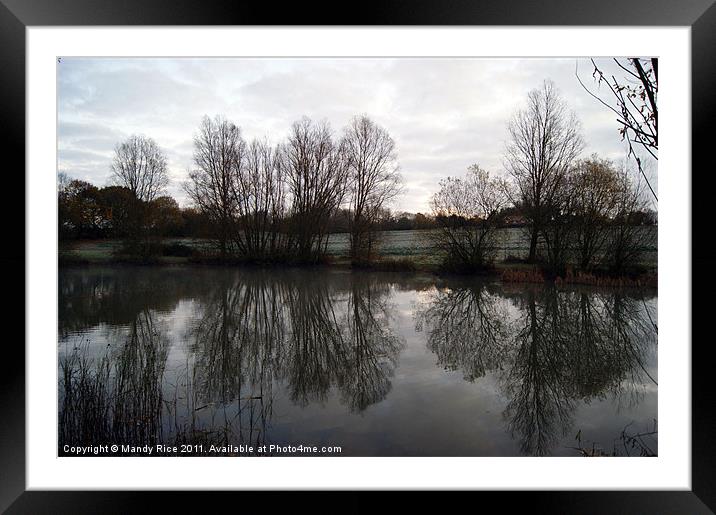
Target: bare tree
{"type": "Point", "coordinates": [259, 196]}
{"type": "Point", "coordinates": [374, 180]}
{"type": "Point", "coordinates": [316, 175]}
{"type": "Point", "coordinates": [545, 138]}
{"type": "Point", "coordinates": [140, 165]}
{"type": "Point", "coordinates": [219, 151]}
{"type": "Point", "coordinates": [634, 101]}
{"type": "Point", "coordinates": [466, 210]}
{"type": "Point", "coordinates": [558, 226]}
{"type": "Point", "coordinates": [63, 180]}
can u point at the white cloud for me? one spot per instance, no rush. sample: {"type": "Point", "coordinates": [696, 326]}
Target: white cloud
{"type": "Point", "coordinates": [444, 114]}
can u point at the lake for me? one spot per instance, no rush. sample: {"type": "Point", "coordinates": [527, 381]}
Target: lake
{"type": "Point", "coordinates": [378, 364]}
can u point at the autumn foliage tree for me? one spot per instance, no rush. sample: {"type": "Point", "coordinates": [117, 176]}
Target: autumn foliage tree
{"type": "Point", "coordinates": [594, 185]}
{"type": "Point", "coordinates": [80, 210]}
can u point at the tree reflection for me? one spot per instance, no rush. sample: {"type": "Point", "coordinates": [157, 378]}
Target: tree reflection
{"type": "Point", "coordinates": [314, 357]}
{"type": "Point", "coordinates": [562, 347]}
{"type": "Point", "coordinates": [253, 331]}
{"type": "Point", "coordinates": [538, 380]}
{"type": "Point", "coordinates": [572, 346]}
{"type": "Point", "coordinates": [235, 344]}
{"type": "Point", "coordinates": [91, 296]}
{"type": "Point", "coordinates": [467, 329]}
{"type": "Point", "coordinates": [253, 336]}
{"type": "Point", "coordinates": [372, 347]}
{"type": "Point", "coordinates": [236, 337]}
{"type": "Point", "coordinates": [311, 336]}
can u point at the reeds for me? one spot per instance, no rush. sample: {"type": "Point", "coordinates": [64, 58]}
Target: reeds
{"type": "Point", "coordinates": [536, 275]}
{"type": "Point", "coordinates": [621, 281]}
{"type": "Point", "coordinates": [85, 399]}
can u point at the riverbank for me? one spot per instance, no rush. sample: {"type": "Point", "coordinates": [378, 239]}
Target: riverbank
{"type": "Point", "coordinates": [184, 251]}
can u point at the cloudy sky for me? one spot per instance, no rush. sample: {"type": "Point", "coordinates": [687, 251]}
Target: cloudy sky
{"type": "Point", "coordinates": [444, 114]}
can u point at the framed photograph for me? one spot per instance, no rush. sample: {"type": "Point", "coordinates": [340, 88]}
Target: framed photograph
{"type": "Point", "coordinates": [419, 249]}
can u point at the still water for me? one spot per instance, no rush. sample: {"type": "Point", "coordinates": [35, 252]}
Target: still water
{"type": "Point", "coordinates": [377, 364]}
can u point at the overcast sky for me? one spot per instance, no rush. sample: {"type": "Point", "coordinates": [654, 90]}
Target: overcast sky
{"type": "Point", "coordinates": [444, 114]}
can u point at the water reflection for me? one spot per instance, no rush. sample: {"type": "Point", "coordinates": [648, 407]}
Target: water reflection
{"type": "Point", "coordinates": [372, 348]}
{"type": "Point", "coordinates": [315, 353]}
{"type": "Point", "coordinates": [539, 380]}
{"type": "Point", "coordinates": [561, 348]}
{"type": "Point", "coordinates": [467, 329]}
{"type": "Point", "coordinates": [227, 357]}
{"type": "Point", "coordinates": [313, 335]}
{"type": "Point", "coordinates": [120, 397]}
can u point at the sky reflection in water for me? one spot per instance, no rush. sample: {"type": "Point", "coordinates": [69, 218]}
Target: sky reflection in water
{"type": "Point", "coordinates": [380, 364]}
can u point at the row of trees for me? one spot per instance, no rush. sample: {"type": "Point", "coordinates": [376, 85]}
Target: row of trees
{"type": "Point", "coordinates": [581, 212]}
{"type": "Point", "coordinates": [88, 212]}
{"type": "Point", "coordinates": [385, 220]}
{"type": "Point", "coordinates": [274, 201]}
{"type": "Point", "coordinates": [134, 208]}
{"type": "Point", "coordinates": [277, 202]}
{"type": "Point", "coordinates": [258, 201]}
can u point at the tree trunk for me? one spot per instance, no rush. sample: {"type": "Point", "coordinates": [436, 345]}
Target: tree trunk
{"type": "Point", "coordinates": [533, 245]}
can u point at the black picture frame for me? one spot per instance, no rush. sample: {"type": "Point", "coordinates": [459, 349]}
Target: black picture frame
{"type": "Point", "coordinates": [17, 15]}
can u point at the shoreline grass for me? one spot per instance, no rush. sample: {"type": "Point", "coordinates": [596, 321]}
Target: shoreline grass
{"type": "Point", "coordinates": [192, 253]}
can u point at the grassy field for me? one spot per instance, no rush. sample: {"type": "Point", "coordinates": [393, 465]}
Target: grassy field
{"type": "Point", "coordinates": [415, 245]}
{"type": "Point", "coordinates": [392, 245]}
{"type": "Point", "coordinates": [394, 248]}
